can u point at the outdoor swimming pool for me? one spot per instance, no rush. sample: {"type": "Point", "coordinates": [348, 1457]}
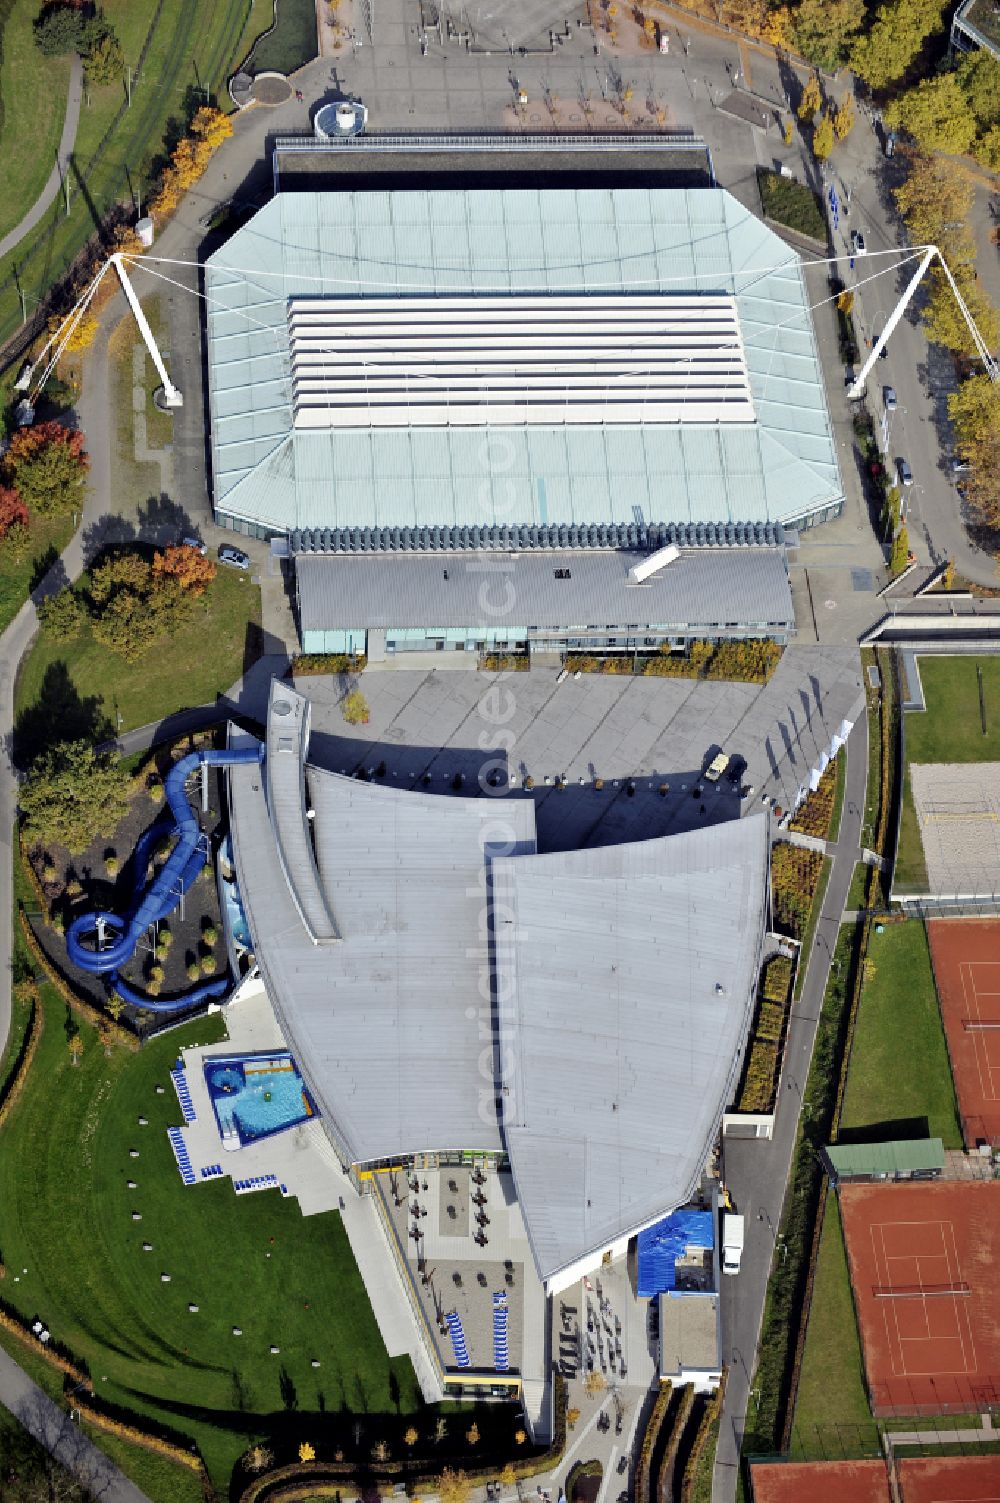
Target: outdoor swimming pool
{"type": "Point", "coordinates": [255, 1095]}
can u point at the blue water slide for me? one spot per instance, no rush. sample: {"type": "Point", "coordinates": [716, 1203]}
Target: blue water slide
{"type": "Point", "coordinates": [164, 893]}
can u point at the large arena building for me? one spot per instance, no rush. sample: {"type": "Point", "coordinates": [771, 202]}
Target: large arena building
{"type": "Point", "coordinates": [451, 995]}
{"type": "Point", "coordinates": [459, 371]}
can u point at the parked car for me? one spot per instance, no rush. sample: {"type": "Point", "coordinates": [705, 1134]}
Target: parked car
{"type": "Point", "coordinates": [234, 558]}
{"type": "Point", "coordinates": [858, 245]}
{"type": "Point", "coordinates": [194, 543]}
{"type": "Point", "coordinates": [883, 353]}
{"type": "Point", "coordinates": [889, 398]}
{"type": "Point", "coordinates": [959, 467]}
{"type": "Point", "coordinates": [905, 473]}
{"type": "Point", "coordinates": [890, 143]}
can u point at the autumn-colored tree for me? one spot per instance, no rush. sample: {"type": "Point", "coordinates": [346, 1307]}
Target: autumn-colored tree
{"type": "Point", "coordinates": [76, 1048]}
{"type": "Point", "coordinates": [13, 512]}
{"type": "Point", "coordinates": [508, 1474]}
{"type": "Point", "coordinates": [115, 1006]}
{"type": "Point", "coordinates": [472, 1434]}
{"type": "Point", "coordinates": [105, 61]}
{"type": "Point", "coordinates": [572, 1415]}
{"type": "Point", "coordinates": [594, 1384]}
{"type": "Point", "coordinates": [410, 1437]}
{"type": "Point", "coordinates": [845, 300]}
{"type": "Point", "coordinates": [122, 570]}
{"type": "Point", "coordinates": [519, 1437]}
{"type": "Point", "coordinates": [900, 551]}
{"type": "Point", "coordinates": [380, 1451]}
{"type": "Point", "coordinates": [979, 77]}
{"type": "Point", "coordinates": [931, 196]}
{"type": "Point", "coordinates": [454, 1487]}
{"type": "Point", "coordinates": [212, 126]}
{"type": "Point", "coordinates": [354, 708]}
{"type": "Point", "coordinates": [899, 31]}
{"type": "Point", "coordinates": [192, 569]}
{"type": "Point", "coordinates": [307, 1452]}
{"type": "Point", "coordinates": [843, 119]}
{"type": "Point", "coordinates": [824, 30]}
{"type": "Point", "coordinates": [823, 140]}
{"type": "Point", "coordinates": [47, 465]}
{"type": "Point", "coordinates": [190, 158]}
{"type": "Point", "coordinates": [778, 29]}
{"type": "Point", "coordinates": [62, 615]}
{"type": "Point", "coordinates": [944, 320]}
{"type": "Point", "coordinates": [258, 1459]}
{"type": "Point", "coordinates": [974, 410]}
{"type": "Point", "coordinates": [811, 98]}
{"type": "Point", "coordinates": [787, 132]}
{"type": "Point", "coordinates": [84, 331]}
{"type": "Point", "coordinates": [936, 114]}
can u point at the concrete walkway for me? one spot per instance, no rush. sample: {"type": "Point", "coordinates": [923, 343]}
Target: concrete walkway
{"type": "Point", "coordinates": [64, 1441]}
{"type": "Point", "coordinates": [756, 1171]}
{"type": "Point", "coordinates": [58, 173]}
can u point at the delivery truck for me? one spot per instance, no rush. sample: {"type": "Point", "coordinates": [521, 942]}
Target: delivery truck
{"type": "Point", "coordinates": [732, 1242]}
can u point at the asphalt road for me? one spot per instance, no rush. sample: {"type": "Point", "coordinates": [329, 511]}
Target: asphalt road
{"type": "Point", "coordinates": [756, 1170]}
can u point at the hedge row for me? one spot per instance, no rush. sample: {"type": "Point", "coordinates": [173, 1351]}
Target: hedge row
{"type": "Point", "coordinates": [795, 874]}
{"type": "Point", "coordinates": [814, 815]}
{"type": "Point", "coordinates": [758, 1085]}
{"type": "Point", "coordinates": [307, 663]}
{"type": "Point", "coordinates": [751, 662]}
{"type": "Point", "coordinates": [708, 1422]}
{"type": "Point", "coordinates": [777, 981]}
{"type": "Point", "coordinates": [657, 1415]}
{"type": "Point", "coordinates": [86, 1010]}
{"type": "Point", "coordinates": [326, 1479]}
{"type": "Point", "coordinates": [17, 1326]}
{"type": "Point", "coordinates": [19, 1074]}
{"type": "Point", "coordinates": [139, 1437]}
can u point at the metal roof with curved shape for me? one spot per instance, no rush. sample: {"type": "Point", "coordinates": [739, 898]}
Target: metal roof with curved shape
{"type": "Point", "coordinates": [627, 975]}
{"type": "Point", "coordinates": [418, 249]}
{"type": "Point", "coordinates": [390, 1023]}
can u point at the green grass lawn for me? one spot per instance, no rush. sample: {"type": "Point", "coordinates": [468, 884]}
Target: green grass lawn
{"type": "Point", "coordinates": [293, 40]}
{"type": "Point", "coordinates": [32, 110]}
{"type": "Point", "coordinates": [83, 682]}
{"type": "Point", "coordinates": [49, 536]}
{"type": "Point", "coordinates": [899, 1069]}
{"type": "Point", "coordinates": [910, 871]}
{"type": "Point", "coordinates": [191, 46]}
{"type": "Point", "coordinates": [832, 1417]}
{"type": "Point", "coordinates": [950, 730]}
{"type": "Point", "coordinates": [858, 890]}
{"type": "Point", "coordinates": [254, 1261]}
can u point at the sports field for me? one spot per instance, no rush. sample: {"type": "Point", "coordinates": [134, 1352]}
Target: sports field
{"type": "Point", "coordinates": [966, 958]}
{"type": "Point", "coordinates": [924, 1260]}
{"type": "Point", "coordinates": [950, 1479]}
{"type": "Point", "coordinates": [820, 1482]}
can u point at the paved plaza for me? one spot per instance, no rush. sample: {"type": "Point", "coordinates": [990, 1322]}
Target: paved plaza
{"type": "Point", "coordinates": [647, 740]}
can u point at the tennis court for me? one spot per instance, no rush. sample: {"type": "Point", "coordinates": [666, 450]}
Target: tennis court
{"type": "Point", "coordinates": [924, 1260]}
{"type": "Point", "coordinates": [950, 1479]}
{"type": "Point", "coordinates": [966, 957]}
{"type": "Point", "coordinates": [820, 1482]}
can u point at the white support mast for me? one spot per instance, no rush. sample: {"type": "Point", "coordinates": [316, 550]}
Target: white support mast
{"type": "Point", "coordinates": [172, 396]}
{"type": "Point", "coordinates": [930, 251]}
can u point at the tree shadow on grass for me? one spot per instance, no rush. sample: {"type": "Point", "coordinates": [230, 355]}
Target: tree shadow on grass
{"type": "Point", "coordinates": [60, 713]}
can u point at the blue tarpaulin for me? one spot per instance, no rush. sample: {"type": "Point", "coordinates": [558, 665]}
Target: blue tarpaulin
{"type": "Point", "coordinates": [661, 1245]}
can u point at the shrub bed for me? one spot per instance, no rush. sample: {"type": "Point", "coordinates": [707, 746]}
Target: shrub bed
{"type": "Point", "coordinates": [791, 204]}
{"type": "Point", "coordinates": [750, 662]}
{"type": "Point", "coordinates": [814, 815]}
{"type": "Point", "coordinates": [328, 662]}
{"type": "Point", "coordinates": [795, 875]}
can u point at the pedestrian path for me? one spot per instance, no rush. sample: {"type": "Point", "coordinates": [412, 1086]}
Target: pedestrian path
{"type": "Point", "coordinates": [55, 179]}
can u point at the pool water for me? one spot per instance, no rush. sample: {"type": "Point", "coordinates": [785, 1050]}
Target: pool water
{"type": "Point", "coordinates": [255, 1095]}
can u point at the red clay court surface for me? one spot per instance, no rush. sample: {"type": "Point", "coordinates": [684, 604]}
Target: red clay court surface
{"type": "Point", "coordinates": [925, 1264]}
{"type": "Point", "coordinates": [966, 958]}
{"type": "Point", "coordinates": [950, 1479]}
{"type": "Point", "coordinates": [820, 1482]}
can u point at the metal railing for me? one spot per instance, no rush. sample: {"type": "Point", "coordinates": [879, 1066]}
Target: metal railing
{"type": "Point", "coordinates": [669, 139]}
